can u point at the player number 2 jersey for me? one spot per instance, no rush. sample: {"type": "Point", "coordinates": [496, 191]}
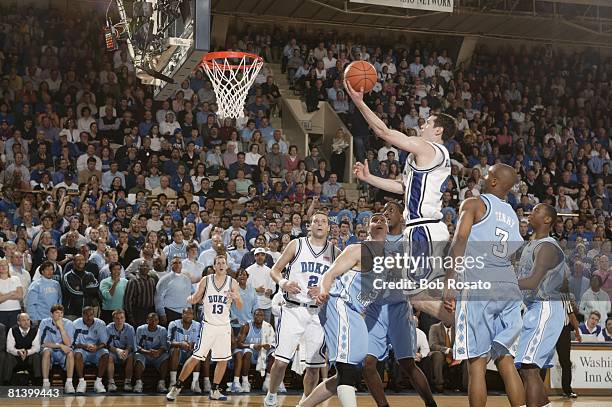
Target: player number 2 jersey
{"type": "Point", "coordinates": [216, 303]}
{"type": "Point", "coordinates": [307, 268]}
{"type": "Point", "coordinates": [424, 186]}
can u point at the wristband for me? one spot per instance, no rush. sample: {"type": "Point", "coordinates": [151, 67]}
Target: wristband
{"type": "Point", "coordinates": [282, 283]}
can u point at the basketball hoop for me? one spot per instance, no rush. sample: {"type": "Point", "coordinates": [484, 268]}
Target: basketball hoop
{"type": "Point", "coordinates": [232, 74]}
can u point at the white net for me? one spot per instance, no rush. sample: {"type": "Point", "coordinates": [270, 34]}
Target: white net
{"type": "Point", "coordinates": [231, 82]}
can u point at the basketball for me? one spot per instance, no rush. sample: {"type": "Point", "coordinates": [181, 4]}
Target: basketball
{"type": "Point", "coordinates": [361, 74]}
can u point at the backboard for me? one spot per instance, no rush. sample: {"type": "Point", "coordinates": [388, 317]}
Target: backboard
{"type": "Point", "coordinates": [182, 29]}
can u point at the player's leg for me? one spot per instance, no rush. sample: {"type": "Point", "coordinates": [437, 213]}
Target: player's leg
{"type": "Point", "coordinates": [140, 363]}
{"type": "Point", "coordinates": [314, 342]}
{"type": "Point", "coordinates": [290, 328]}
{"type": "Point", "coordinates": [507, 327]}
{"type": "Point", "coordinates": [238, 356]}
{"type": "Point", "coordinates": [163, 372]}
{"type": "Point", "coordinates": [46, 366]}
{"type": "Point", "coordinates": [245, 365]}
{"type": "Point", "coordinates": [68, 362]}
{"type": "Point", "coordinates": [80, 355]}
{"type": "Point", "coordinates": [101, 359]}
{"type": "Point", "coordinates": [418, 380]}
{"type": "Point", "coordinates": [110, 368]}
{"type": "Point", "coordinates": [128, 365]}
{"type": "Point", "coordinates": [206, 373]}
{"type": "Point", "coordinates": [373, 381]}
{"type": "Point", "coordinates": [402, 336]}
{"type": "Point", "coordinates": [477, 385]}
{"type": "Point", "coordinates": [534, 386]}
{"type": "Point", "coordinates": [324, 391]}
{"type": "Point", "coordinates": [221, 352]}
{"type": "Point", "coordinates": [175, 356]}
{"type": "Point", "coordinates": [512, 380]}
{"type": "Point", "coordinates": [377, 322]}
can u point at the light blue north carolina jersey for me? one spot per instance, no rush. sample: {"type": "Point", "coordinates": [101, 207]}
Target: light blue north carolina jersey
{"type": "Point", "coordinates": [423, 187]}
{"type": "Point", "coordinates": [91, 335]}
{"type": "Point", "coordinates": [394, 244]}
{"type": "Point", "coordinates": [121, 339]}
{"type": "Point", "coordinates": [493, 241]}
{"type": "Point", "coordinates": [49, 332]}
{"type": "Point", "coordinates": [177, 333]}
{"type": "Point", "coordinates": [549, 288]}
{"type": "Point", "coordinates": [254, 335]}
{"type": "Point", "coordinates": [148, 340]}
{"type": "Point", "coordinates": [356, 288]}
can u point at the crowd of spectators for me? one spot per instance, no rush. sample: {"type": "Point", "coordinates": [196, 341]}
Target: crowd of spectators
{"type": "Point", "coordinates": [111, 200]}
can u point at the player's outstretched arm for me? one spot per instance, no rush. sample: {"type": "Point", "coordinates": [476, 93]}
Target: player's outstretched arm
{"type": "Point", "coordinates": [347, 259]}
{"type": "Point", "coordinates": [235, 294]}
{"type": "Point", "coordinates": [277, 269]}
{"type": "Point", "coordinates": [199, 293]}
{"type": "Point", "coordinates": [546, 258]}
{"type": "Point", "coordinates": [415, 145]}
{"type": "Point", "coordinates": [362, 172]}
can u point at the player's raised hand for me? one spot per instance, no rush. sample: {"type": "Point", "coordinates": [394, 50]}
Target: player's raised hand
{"type": "Point", "coordinates": [362, 171]}
{"type": "Point", "coordinates": [291, 287]}
{"type": "Point", "coordinates": [356, 95]}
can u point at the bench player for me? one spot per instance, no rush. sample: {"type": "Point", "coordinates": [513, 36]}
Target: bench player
{"type": "Point", "coordinates": [390, 321]}
{"type": "Point", "coordinates": [216, 292]}
{"type": "Point", "coordinates": [487, 321]}
{"type": "Point", "coordinates": [346, 289]}
{"type": "Point", "coordinates": [307, 259]}
{"type": "Point", "coordinates": [542, 271]}
{"type": "Point", "coordinates": [424, 181]}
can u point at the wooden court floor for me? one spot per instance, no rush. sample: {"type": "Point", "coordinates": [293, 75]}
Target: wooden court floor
{"type": "Point", "coordinates": [284, 401]}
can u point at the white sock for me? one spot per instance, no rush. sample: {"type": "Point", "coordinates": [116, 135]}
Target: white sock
{"type": "Point", "coordinates": [139, 381]}
{"type": "Point", "coordinates": [236, 379]}
{"type": "Point", "coordinates": [112, 381]}
{"type": "Point", "coordinates": [270, 394]}
{"type": "Point", "coordinates": [98, 379]}
{"type": "Point", "coordinates": [196, 377]}
{"type": "Point", "coordinates": [82, 379]}
{"type": "Point", "coordinates": [346, 395]}
{"type": "Point", "coordinates": [46, 381]}
{"type": "Point", "coordinates": [128, 380]}
{"type": "Point", "coordinates": [173, 377]}
{"type": "Point", "coordinates": [207, 380]}
{"type": "Point", "coordinates": [245, 379]}
{"type": "Point", "coordinates": [67, 381]}
{"type": "Point", "coordinates": [162, 382]}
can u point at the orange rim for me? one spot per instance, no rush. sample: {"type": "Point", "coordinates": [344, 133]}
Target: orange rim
{"type": "Point", "coordinates": [211, 56]}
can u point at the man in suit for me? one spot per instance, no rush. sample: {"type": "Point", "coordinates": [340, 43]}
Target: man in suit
{"type": "Point", "coordinates": [23, 346]}
{"type": "Point", "coordinates": [441, 340]}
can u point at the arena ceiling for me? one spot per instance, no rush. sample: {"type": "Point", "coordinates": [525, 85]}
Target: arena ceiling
{"type": "Point", "coordinates": [570, 22]}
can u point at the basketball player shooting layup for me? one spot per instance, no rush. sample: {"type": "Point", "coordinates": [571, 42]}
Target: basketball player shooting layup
{"type": "Point", "coordinates": [216, 291]}
{"type": "Point", "coordinates": [424, 181]}
{"type": "Point", "coordinates": [307, 259]}
{"type": "Point", "coordinates": [487, 321]}
{"type": "Point", "coordinates": [345, 288]}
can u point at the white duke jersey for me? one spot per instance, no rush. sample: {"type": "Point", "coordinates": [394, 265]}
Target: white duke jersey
{"type": "Point", "coordinates": [308, 267]}
{"type": "Point", "coordinates": [423, 187]}
{"type": "Point", "coordinates": [216, 303]}
{"type": "Point", "coordinates": [550, 286]}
